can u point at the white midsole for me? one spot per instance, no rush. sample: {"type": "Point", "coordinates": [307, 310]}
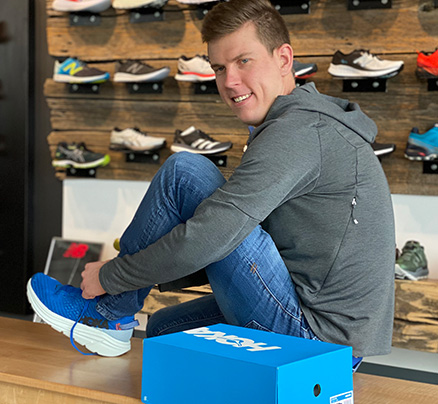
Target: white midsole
{"type": "Point", "coordinates": [93, 339]}
{"type": "Point", "coordinates": [95, 6]}
{"type": "Point", "coordinates": [348, 71]}
{"type": "Point", "coordinates": [132, 78]}
{"type": "Point", "coordinates": [64, 78]}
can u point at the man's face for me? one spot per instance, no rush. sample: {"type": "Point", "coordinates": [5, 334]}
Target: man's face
{"type": "Point", "coordinates": [249, 78]}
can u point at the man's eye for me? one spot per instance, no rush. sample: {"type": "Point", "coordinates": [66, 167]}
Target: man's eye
{"type": "Point", "coordinates": [219, 69]}
{"type": "Point", "coordinates": [243, 61]}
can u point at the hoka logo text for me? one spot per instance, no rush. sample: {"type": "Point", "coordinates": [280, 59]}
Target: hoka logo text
{"type": "Point", "coordinates": [233, 340]}
{"type": "Point", "coordinates": [94, 322]}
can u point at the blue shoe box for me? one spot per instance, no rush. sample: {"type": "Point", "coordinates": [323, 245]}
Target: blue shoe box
{"type": "Point", "coordinates": [224, 364]}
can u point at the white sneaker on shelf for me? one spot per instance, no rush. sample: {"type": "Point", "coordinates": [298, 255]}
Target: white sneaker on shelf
{"type": "Point", "coordinates": [132, 139]}
{"type": "Point", "coordinates": [195, 69]}
{"type": "Point", "coordinates": [93, 6]}
{"type": "Point", "coordinates": [129, 4]}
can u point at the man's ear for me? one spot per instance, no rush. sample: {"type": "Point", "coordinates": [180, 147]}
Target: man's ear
{"type": "Point", "coordinates": [285, 55]}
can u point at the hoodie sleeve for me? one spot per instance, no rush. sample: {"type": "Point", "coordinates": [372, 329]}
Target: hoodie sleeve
{"type": "Point", "coordinates": [280, 163]}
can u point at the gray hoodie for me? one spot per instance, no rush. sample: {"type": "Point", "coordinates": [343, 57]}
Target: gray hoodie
{"type": "Point", "coordinates": [311, 179]}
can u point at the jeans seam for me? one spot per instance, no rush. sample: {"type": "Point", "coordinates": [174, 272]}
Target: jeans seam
{"type": "Point", "coordinates": [186, 322]}
{"type": "Point", "coordinates": [275, 298]}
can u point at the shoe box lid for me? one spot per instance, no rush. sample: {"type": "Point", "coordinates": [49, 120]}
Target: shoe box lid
{"type": "Point", "coordinates": [229, 364]}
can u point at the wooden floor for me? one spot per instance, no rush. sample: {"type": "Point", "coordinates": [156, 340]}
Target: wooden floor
{"type": "Point", "coordinates": [38, 365]}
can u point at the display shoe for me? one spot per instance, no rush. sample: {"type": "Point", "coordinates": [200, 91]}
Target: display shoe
{"type": "Point", "coordinates": [427, 65]}
{"type": "Point", "coordinates": [195, 141]}
{"type": "Point", "coordinates": [304, 70]}
{"type": "Point", "coordinates": [197, 2]}
{"type": "Point", "coordinates": [381, 149]}
{"type": "Point", "coordinates": [78, 156]}
{"type": "Point", "coordinates": [66, 311]}
{"type": "Point", "coordinates": [130, 4]}
{"type": "Point", "coordinates": [412, 263]}
{"type": "Point", "coordinates": [361, 64]}
{"type": "Point", "coordinates": [422, 146]}
{"type": "Point", "coordinates": [92, 6]}
{"type": "Point", "coordinates": [133, 71]}
{"type": "Point", "coordinates": [75, 71]}
{"type": "Point", "coordinates": [132, 139]}
{"type": "Point", "coordinates": [194, 69]}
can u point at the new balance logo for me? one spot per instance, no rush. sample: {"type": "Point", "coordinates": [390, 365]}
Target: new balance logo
{"type": "Point", "coordinates": [233, 340]}
{"type": "Point", "coordinates": [94, 322]}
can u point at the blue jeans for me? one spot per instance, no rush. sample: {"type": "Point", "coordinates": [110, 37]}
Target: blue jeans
{"type": "Point", "coordinates": [251, 286]}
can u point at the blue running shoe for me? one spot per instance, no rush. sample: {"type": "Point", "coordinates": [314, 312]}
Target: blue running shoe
{"type": "Point", "coordinates": [422, 146]}
{"type": "Point", "coordinates": [74, 71]}
{"type": "Point", "coordinates": [62, 306]}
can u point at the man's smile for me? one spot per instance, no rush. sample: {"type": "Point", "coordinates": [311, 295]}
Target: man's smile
{"type": "Point", "coordinates": [241, 98]}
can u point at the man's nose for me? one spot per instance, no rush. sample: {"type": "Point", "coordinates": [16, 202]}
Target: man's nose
{"type": "Point", "coordinates": [232, 78]}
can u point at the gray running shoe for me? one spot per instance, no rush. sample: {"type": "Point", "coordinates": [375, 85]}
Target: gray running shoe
{"type": "Point", "coordinates": [412, 263]}
{"type": "Point", "coordinates": [78, 156]}
{"type": "Point", "coordinates": [133, 71]}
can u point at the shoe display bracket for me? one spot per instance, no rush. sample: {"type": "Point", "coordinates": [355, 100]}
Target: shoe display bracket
{"type": "Point", "coordinates": [300, 82]}
{"type": "Point", "coordinates": [368, 4]}
{"type": "Point", "coordinates": [292, 7]}
{"type": "Point", "coordinates": [155, 87]}
{"type": "Point", "coordinates": [83, 88]}
{"type": "Point", "coordinates": [146, 14]}
{"type": "Point", "coordinates": [376, 85]}
{"type": "Point", "coordinates": [203, 9]}
{"type": "Point", "coordinates": [206, 87]}
{"type": "Point", "coordinates": [218, 160]}
{"type": "Point", "coordinates": [84, 19]}
{"type": "Point", "coordinates": [432, 84]}
{"type": "Point", "coordinates": [430, 167]}
{"type": "Point", "coordinates": [143, 157]}
{"type": "Point", "coordinates": [81, 172]}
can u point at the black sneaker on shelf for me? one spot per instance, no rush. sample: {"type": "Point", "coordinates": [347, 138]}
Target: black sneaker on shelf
{"type": "Point", "coordinates": [361, 64]}
{"type": "Point", "coordinates": [381, 149]}
{"type": "Point", "coordinates": [195, 141]}
{"type": "Point", "coordinates": [134, 71]}
{"type": "Point", "coordinates": [78, 156]}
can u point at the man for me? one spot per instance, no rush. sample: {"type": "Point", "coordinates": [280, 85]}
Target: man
{"type": "Point", "coordinates": [299, 240]}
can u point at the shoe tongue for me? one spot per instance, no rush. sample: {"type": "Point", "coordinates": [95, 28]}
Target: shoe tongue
{"type": "Point", "coordinates": [188, 131]}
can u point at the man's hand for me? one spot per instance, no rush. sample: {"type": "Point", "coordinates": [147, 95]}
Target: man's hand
{"type": "Point", "coordinates": [90, 285]}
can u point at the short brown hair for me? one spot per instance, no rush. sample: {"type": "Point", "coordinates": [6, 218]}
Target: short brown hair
{"type": "Point", "coordinates": [226, 18]}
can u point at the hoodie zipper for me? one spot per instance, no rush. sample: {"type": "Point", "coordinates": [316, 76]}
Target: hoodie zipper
{"type": "Point", "coordinates": [353, 205]}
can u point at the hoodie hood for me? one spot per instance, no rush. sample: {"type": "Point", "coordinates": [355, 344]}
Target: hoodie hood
{"type": "Point", "coordinates": [307, 98]}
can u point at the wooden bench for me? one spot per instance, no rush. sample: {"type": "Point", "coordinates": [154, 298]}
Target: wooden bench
{"type": "Point", "coordinates": [415, 319]}
{"type": "Point", "coordinates": [40, 366]}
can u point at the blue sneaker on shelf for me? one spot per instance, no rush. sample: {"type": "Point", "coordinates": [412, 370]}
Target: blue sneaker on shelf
{"type": "Point", "coordinates": [65, 310]}
{"type": "Point", "coordinates": [75, 71]}
{"type": "Point", "coordinates": [422, 146]}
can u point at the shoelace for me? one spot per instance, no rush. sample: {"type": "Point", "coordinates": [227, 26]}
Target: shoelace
{"type": "Point", "coordinates": [72, 329]}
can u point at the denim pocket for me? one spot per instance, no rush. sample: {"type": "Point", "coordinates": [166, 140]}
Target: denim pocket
{"type": "Point", "coordinates": [256, 326]}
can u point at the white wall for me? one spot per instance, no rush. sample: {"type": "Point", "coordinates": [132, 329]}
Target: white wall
{"type": "Point", "coordinates": [96, 210]}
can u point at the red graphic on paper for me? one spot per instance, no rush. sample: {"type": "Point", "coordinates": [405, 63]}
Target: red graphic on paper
{"type": "Point", "coordinates": [76, 250]}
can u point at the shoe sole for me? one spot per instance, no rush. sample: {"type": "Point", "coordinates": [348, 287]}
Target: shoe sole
{"type": "Point", "coordinates": [65, 78]}
{"type": "Point", "coordinates": [94, 340]}
{"type": "Point", "coordinates": [72, 7]}
{"type": "Point", "coordinates": [70, 163]}
{"type": "Point", "coordinates": [158, 75]}
{"type": "Point", "coordinates": [348, 72]}
{"type": "Point", "coordinates": [130, 149]}
{"type": "Point", "coordinates": [129, 4]}
{"type": "Point", "coordinates": [193, 77]}
{"type": "Point", "coordinates": [189, 149]}
{"type": "Point", "coordinates": [400, 273]}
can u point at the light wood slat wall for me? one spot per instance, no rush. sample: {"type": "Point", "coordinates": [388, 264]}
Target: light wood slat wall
{"type": "Point", "coordinates": [394, 33]}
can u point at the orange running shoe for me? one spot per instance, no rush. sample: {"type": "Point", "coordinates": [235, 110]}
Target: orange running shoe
{"type": "Point", "coordinates": [427, 64]}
